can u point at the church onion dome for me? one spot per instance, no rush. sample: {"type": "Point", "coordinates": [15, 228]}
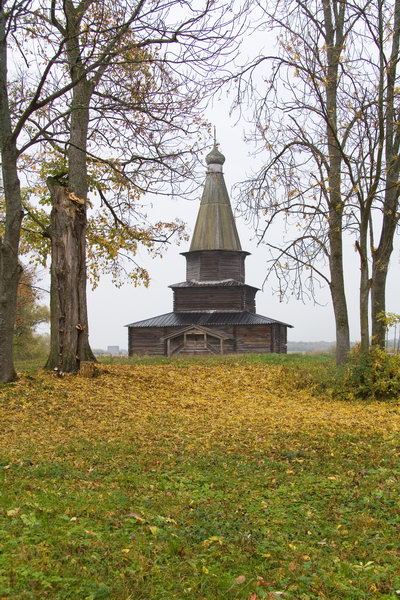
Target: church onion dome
{"type": "Point", "coordinates": [215, 157]}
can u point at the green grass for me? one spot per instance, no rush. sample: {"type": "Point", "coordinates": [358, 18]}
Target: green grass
{"type": "Point", "coordinates": [188, 527]}
{"type": "Point", "coordinates": [31, 366]}
{"type": "Point", "coordinates": [289, 359]}
{"type": "Point", "coordinates": [301, 516]}
{"type": "Point", "coordinates": [295, 359]}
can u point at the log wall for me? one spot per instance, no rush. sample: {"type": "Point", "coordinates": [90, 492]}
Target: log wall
{"type": "Point", "coordinates": [261, 339]}
{"type": "Point", "coordinates": [253, 339]}
{"type": "Point", "coordinates": [279, 338]}
{"type": "Point", "coordinates": [146, 340]}
{"type": "Point", "coordinates": [229, 298]}
{"type": "Point", "coordinates": [215, 265]}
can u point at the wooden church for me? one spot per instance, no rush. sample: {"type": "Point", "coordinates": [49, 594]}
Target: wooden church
{"type": "Point", "coordinates": [214, 310]}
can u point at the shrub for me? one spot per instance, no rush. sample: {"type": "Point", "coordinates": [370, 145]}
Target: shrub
{"type": "Point", "coordinates": [31, 346]}
{"type": "Point", "coordinates": [28, 344]}
{"type": "Point", "coordinates": [372, 375]}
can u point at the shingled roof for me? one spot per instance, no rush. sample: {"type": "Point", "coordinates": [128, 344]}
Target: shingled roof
{"type": "Point", "coordinates": [215, 227]}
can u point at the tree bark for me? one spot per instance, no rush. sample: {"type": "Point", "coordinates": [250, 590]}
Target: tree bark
{"type": "Point", "coordinates": [365, 285]}
{"type": "Point", "coordinates": [334, 22]}
{"type": "Point", "coordinates": [338, 289]}
{"type": "Point", "coordinates": [378, 304]}
{"type": "Point", "coordinates": [382, 254]}
{"type": "Point", "coordinates": [69, 337]}
{"type": "Point", "coordinates": [69, 341]}
{"type": "Point", "coordinates": [10, 269]}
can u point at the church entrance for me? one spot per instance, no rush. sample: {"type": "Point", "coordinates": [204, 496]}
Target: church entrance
{"type": "Point", "coordinates": [190, 343]}
{"type": "Point", "coordinates": [194, 341]}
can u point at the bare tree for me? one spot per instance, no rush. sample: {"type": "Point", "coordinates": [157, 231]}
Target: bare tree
{"type": "Point", "coordinates": [300, 120]}
{"type": "Point", "coordinates": [322, 121]}
{"type": "Point", "coordinates": [386, 36]}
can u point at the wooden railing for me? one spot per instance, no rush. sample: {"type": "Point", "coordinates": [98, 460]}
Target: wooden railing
{"type": "Point", "coordinates": [176, 350]}
{"type": "Point", "coordinates": [194, 350]}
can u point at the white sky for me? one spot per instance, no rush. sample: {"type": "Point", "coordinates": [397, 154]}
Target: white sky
{"type": "Point", "coordinates": [111, 308]}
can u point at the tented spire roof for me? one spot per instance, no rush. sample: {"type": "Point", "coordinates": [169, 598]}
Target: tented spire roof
{"type": "Point", "coordinates": [215, 226]}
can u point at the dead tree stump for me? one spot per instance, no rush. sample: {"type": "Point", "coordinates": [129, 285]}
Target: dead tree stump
{"type": "Point", "coordinates": [87, 369]}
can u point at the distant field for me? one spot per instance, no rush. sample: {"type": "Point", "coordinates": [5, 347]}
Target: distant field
{"type": "Point", "coordinates": [210, 479]}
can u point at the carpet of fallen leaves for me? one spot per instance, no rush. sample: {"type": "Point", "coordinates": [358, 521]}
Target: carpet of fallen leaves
{"type": "Point", "coordinates": [236, 481]}
{"type": "Point", "coordinates": [179, 408]}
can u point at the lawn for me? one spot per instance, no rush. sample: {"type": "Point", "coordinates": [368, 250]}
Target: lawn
{"type": "Point", "coordinates": [200, 480]}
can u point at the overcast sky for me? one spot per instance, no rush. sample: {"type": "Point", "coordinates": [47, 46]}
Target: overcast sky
{"type": "Point", "coordinates": [111, 308]}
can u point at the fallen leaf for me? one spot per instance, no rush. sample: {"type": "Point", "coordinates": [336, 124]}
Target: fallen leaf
{"type": "Point", "coordinates": [135, 516]}
{"type": "Point", "coordinates": [213, 539]}
{"type": "Point", "coordinates": [154, 530]}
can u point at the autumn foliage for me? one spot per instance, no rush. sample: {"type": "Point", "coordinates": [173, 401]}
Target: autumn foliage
{"type": "Point", "coordinates": [30, 313]}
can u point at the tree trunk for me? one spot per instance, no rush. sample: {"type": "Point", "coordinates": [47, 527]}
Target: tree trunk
{"type": "Point", "coordinates": [10, 269]}
{"type": "Point", "coordinates": [338, 291]}
{"type": "Point", "coordinates": [334, 23]}
{"type": "Point", "coordinates": [364, 312]}
{"type": "Point", "coordinates": [381, 255]}
{"type": "Point", "coordinates": [69, 342]}
{"type": "Point", "coordinates": [69, 337]}
{"type": "Point", "coordinates": [378, 298]}
{"type": "Point", "coordinates": [365, 284]}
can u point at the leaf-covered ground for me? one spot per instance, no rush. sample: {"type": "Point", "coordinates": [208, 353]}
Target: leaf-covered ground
{"type": "Point", "coordinates": [196, 481]}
